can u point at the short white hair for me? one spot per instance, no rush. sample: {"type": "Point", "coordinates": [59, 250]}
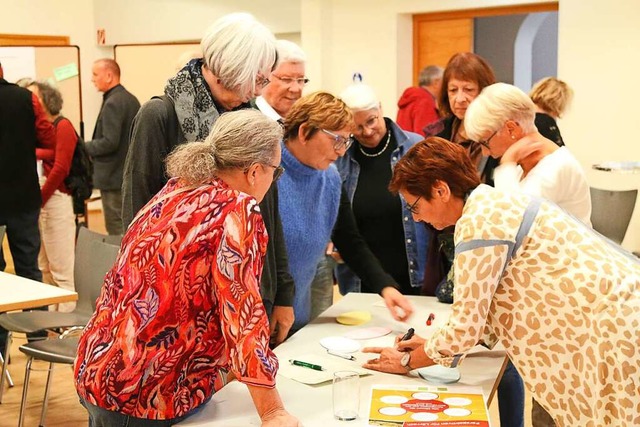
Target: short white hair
{"type": "Point", "coordinates": [360, 97]}
{"type": "Point", "coordinates": [236, 48]}
{"type": "Point", "coordinates": [288, 51]}
{"type": "Point", "coordinates": [495, 105]}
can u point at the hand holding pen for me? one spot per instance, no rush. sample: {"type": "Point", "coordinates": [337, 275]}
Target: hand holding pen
{"type": "Point", "coordinates": [409, 341]}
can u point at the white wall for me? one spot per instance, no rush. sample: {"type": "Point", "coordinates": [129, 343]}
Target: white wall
{"type": "Point", "coordinates": [598, 55]}
{"type": "Point", "coordinates": [145, 21]}
{"type": "Point", "coordinates": [73, 18]}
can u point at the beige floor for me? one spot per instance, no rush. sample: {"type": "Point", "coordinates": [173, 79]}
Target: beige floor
{"type": "Point", "coordinates": [64, 409]}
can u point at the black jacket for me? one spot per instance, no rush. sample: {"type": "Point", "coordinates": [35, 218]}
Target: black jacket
{"type": "Point", "coordinates": [110, 141]}
{"type": "Point", "coordinates": [19, 189]}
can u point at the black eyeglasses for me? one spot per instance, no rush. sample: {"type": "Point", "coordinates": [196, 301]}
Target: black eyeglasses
{"type": "Point", "coordinates": [277, 171]}
{"type": "Point", "coordinates": [485, 143]}
{"type": "Point", "coordinates": [340, 141]}
{"type": "Point", "coordinates": [289, 81]}
{"type": "Point", "coordinates": [413, 208]}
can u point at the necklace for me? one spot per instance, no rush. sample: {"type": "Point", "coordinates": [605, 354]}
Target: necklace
{"type": "Point", "coordinates": [386, 144]}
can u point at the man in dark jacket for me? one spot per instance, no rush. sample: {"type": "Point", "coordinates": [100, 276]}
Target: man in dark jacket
{"type": "Point", "coordinates": [23, 128]}
{"type": "Point", "coordinates": [110, 141]}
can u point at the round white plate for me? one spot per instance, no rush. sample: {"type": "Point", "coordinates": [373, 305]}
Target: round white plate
{"type": "Point", "coordinates": [340, 344]}
{"type": "Point", "coordinates": [368, 333]}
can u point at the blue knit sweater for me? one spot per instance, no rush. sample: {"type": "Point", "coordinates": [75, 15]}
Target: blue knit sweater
{"type": "Point", "coordinates": [308, 202]}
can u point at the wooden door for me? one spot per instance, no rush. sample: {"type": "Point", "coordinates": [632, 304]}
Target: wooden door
{"type": "Point", "coordinates": [439, 40]}
{"type": "Point", "coordinates": [437, 36]}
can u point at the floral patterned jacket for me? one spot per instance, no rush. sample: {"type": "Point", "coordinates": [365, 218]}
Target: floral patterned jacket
{"type": "Point", "coordinates": [180, 307]}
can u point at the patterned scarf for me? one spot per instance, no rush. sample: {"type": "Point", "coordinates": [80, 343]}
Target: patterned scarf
{"type": "Point", "coordinates": [194, 104]}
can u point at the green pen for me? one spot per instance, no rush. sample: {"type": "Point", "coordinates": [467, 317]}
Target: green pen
{"type": "Point", "coordinates": [306, 365]}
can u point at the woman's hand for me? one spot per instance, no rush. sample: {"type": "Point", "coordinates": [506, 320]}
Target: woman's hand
{"type": "Point", "coordinates": [410, 344]}
{"type": "Point", "coordinates": [398, 305]}
{"type": "Point", "coordinates": [521, 149]}
{"type": "Point", "coordinates": [280, 418]}
{"type": "Point", "coordinates": [389, 360]}
{"type": "Point", "coordinates": [282, 318]}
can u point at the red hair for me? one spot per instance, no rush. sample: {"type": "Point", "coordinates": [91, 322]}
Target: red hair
{"type": "Point", "coordinates": [431, 160]}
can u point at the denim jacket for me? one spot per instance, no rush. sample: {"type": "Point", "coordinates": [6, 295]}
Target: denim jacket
{"type": "Point", "coordinates": [416, 235]}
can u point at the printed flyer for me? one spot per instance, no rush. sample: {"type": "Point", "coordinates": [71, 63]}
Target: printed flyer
{"type": "Point", "coordinates": [426, 406]}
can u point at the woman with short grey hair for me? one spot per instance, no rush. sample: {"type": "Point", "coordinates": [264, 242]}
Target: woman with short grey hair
{"type": "Point", "coordinates": [57, 219]}
{"type": "Point", "coordinates": [384, 219]}
{"type": "Point", "coordinates": [180, 313]}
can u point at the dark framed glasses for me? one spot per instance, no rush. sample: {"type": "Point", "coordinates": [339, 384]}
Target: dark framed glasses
{"type": "Point", "coordinates": [485, 143]}
{"type": "Point", "coordinates": [277, 171]}
{"type": "Point", "coordinates": [413, 207]}
{"type": "Point", "coordinates": [340, 141]}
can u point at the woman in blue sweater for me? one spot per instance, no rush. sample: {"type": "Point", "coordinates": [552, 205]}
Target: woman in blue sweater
{"type": "Point", "coordinates": [315, 208]}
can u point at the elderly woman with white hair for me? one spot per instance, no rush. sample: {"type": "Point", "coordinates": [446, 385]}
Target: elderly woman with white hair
{"type": "Point", "coordinates": [501, 119]}
{"type": "Point", "coordinates": [384, 219]}
{"type": "Point", "coordinates": [238, 56]}
{"type": "Point", "coordinates": [180, 311]}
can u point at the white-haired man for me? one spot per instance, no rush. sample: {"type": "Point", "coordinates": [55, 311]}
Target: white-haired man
{"type": "Point", "coordinates": [287, 81]}
{"type": "Point", "coordinates": [284, 89]}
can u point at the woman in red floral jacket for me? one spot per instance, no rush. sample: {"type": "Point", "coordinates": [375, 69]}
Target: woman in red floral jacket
{"type": "Point", "coordinates": [181, 310]}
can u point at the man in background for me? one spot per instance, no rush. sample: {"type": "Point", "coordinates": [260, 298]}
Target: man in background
{"type": "Point", "coordinates": [23, 128]}
{"type": "Point", "coordinates": [110, 141]}
{"type": "Point", "coordinates": [417, 106]}
{"type": "Point", "coordinates": [286, 82]}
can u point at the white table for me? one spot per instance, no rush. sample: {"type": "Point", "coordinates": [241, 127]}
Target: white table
{"type": "Point", "coordinates": [620, 167]}
{"type": "Point", "coordinates": [232, 406]}
{"type": "Point", "coordinates": [19, 293]}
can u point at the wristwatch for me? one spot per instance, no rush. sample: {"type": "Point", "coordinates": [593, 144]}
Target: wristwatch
{"type": "Point", "coordinates": [406, 359]}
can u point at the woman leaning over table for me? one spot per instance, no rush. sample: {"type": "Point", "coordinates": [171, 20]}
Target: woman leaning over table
{"type": "Point", "coordinates": [521, 264]}
{"type": "Point", "coordinates": [57, 221]}
{"type": "Point", "coordinates": [315, 207]}
{"type": "Point", "coordinates": [181, 310]}
{"type": "Point", "coordinates": [384, 219]}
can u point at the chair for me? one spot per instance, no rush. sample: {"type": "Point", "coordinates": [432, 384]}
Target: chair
{"type": "Point", "coordinates": [2, 230]}
{"type": "Point", "coordinates": [95, 254]}
{"type": "Point", "coordinates": [611, 212]}
{"type": "Point", "coordinates": [54, 350]}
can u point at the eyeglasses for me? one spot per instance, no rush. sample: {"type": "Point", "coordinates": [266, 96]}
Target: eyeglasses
{"type": "Point", "coordinates": [485, 143]}
{"type": "Point", "coordinates": [289, 81]}
{"type": "Point", "coordinates": [413, 208]}
{"type": "Point", "coordinates": [262, 81]}
{"type": "Point", "coordinates": [369, 124]}
{"type": "Point", "coordinates": [277, 171]}
{"type": "Point", "coordinates": [340, 141]}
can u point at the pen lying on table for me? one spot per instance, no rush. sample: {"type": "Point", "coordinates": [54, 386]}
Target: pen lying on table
{"type": "Point", "coordinates": [344, 356]}
{"type": "Point", "coordinates": [306, 365]}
